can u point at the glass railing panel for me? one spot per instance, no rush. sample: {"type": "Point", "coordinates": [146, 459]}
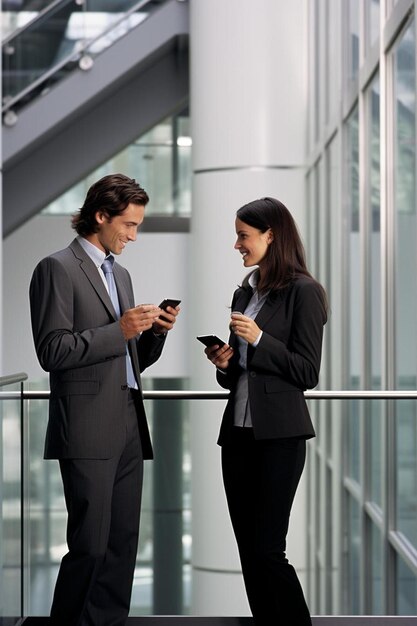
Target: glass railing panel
{"type": "Point", "coordinates": [14, 21]}
{"type": "Point", "coordinates": [406, 469]}
{"type": "Point", "coordinates": [66, 36]}
{"type": "Point", "coordinates": [47, 523]}
{"type": "Point", "coordinates": [351, 525]}
{"type": "Point", "coordinates": [165, 523]}
{"type": "Point", "coordinates": [362, 505]}
{"type": "Point", "coordinates": [33, 49]}
{"type": "Point", "coordinates": [11, 503]}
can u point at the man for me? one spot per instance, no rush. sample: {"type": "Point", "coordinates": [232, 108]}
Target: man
{"type": "Point", "coordinates": [95, 348]}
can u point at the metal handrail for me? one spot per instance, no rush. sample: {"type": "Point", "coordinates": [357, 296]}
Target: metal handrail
{"type": "Point", "coordinates": [23, 395]}
{"type": "Point", "coordinates": [343, 394]}
{"type": "Point", "coordinates": [81, 49]}
{"type": "Point", "coordinates": [12, 379]}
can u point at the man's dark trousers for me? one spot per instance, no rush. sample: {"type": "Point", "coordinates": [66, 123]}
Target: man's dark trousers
{"type": "Point", "coordinates": [103, 500]}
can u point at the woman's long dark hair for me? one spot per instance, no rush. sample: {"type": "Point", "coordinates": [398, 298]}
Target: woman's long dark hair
{"type": "Point", "coordinates": [285, 258]}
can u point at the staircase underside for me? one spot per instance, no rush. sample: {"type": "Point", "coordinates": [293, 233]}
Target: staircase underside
{"type": "Point", "coordinates": [92, 115]}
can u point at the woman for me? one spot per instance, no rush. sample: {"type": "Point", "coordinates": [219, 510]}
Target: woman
{"type": "Point", "coordinates": [273, 355]}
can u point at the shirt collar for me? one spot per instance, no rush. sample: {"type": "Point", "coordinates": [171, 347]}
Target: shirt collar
{"type": "Point", "coordinates": [95, 254]}
{"type": "Point", "coordinates": [253, 280]}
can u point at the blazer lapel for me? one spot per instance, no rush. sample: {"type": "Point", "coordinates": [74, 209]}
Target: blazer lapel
{"type": "Point", "coordinates": [90, 270]}
{"type": "Point", "coordinates": [121, 288]}
{"type": "Point", "coordinates": [270, 307]}
{"type": "Point", "coordinates": [242, 297]}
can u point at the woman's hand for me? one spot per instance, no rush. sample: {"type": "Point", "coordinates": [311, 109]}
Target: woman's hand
{"type": "Point", "coordinates": [220, 357]}
{"type": "Point", "coordinates": [244, 327]}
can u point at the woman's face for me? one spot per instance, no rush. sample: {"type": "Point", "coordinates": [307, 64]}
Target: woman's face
{"type": "Point", "coordinates": [251, 243]}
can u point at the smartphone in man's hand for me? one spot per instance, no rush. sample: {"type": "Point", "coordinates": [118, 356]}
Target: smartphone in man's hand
{"type": "Point", "coordinates": [168, 302]}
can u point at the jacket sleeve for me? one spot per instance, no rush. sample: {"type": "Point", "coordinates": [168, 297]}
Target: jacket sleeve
{"type": "Point", "coordinates": [228, 378]}
{"type": "Point", "coordinates": [58, 344]}
{"type": "Point", "coordinates": [149, 348]}
{"type": "Point", "coordinates": [298, 359]}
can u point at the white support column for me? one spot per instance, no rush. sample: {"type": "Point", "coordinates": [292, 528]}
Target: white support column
{"type": "Point", "coordinates": [1, 365]}
{"type": "Point", "coordinates": [1, 246]}
{"type": "Point", "coordinates": [248, 114]}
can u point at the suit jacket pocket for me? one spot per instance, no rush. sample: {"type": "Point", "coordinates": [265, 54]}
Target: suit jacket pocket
{"type": "Point", "coordinates": [77, 387]}
{"type": "Point", "coordinates": [277, 385]}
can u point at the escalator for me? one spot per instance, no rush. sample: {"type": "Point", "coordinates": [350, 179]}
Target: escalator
{"type": "Point", "coordinates": [81, 80]}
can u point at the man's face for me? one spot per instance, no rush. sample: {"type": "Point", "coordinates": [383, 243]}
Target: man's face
{"type": "Point", "coordinates": [114, 234]}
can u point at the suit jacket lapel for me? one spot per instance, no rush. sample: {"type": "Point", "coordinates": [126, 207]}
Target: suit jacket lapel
{"type": "Point", "coordinates": [270, 307]}
{"type": "Point", "coordinates": [243, 295]}
{"type": "Point", "coordinates": [90, 270]}
{"type": "Point", "coordinates": [121, 288]}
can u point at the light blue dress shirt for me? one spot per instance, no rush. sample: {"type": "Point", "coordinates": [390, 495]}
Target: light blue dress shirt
{"type": "Point", "coordinates": [242, 414]}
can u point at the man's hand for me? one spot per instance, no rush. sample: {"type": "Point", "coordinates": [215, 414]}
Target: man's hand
{"type": "Point", "coordinates": [166, 320]}
{"type": "Point", "coordinates": [135, 321]}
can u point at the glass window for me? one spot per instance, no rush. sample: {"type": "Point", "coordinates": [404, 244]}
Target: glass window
{"type": "Point", "coordinates": [311, 247]}
{"type": "Point", "coordinates": [374, 413]}
{"type": "Point", "coordinates": [405, 301]}
{"type": "Point", "coordinates": [328, 566]}
{"type": "Point", "coordinates": [372, 13]}
{"type": "Point", "coordinates": [333, 59]}
{"type": "Point", "coordinates": [353, 42]}
{"type": "Point", "coordinates": [335, 290]}
{"type": "Point", "coordinates": [406, 589]}
{"type": "Point", "coordinates": [374, 408]}
{"type": "Point", "coordinates": [160, 160]}
{"type": "Point", "coordinates": [377, 605]}
{"type": "Point", "coordinates": [406, 469]}
{"type": "Point", "coordinates": [315, 269]}
{"type": "Point", "coordinates": [374, 226]}
{"type": "Point", "coordinates": [390, 5]}
{"type": "Point", "coordinates": [317, 68]}
{"type": "Point", "coordinates": [353, 557]}
{"type": "Point", "coordinates": [354, 328]}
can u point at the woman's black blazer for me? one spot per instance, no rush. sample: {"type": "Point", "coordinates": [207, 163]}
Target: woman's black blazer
{"type": "Point", "coordinates": [284, 364]}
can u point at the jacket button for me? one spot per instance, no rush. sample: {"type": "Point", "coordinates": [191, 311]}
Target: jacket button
{"type": "Point", "coordinates": [123, 387]}
{"type": "Point", "coordinates": [252, 374]}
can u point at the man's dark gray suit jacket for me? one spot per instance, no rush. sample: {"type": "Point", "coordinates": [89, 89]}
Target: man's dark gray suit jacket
{"type": "Point", "coordinates": [79, 341]}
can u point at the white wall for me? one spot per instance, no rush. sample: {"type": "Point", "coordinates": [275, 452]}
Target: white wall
{"type": "Point", "coordinates": [157, 263]}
